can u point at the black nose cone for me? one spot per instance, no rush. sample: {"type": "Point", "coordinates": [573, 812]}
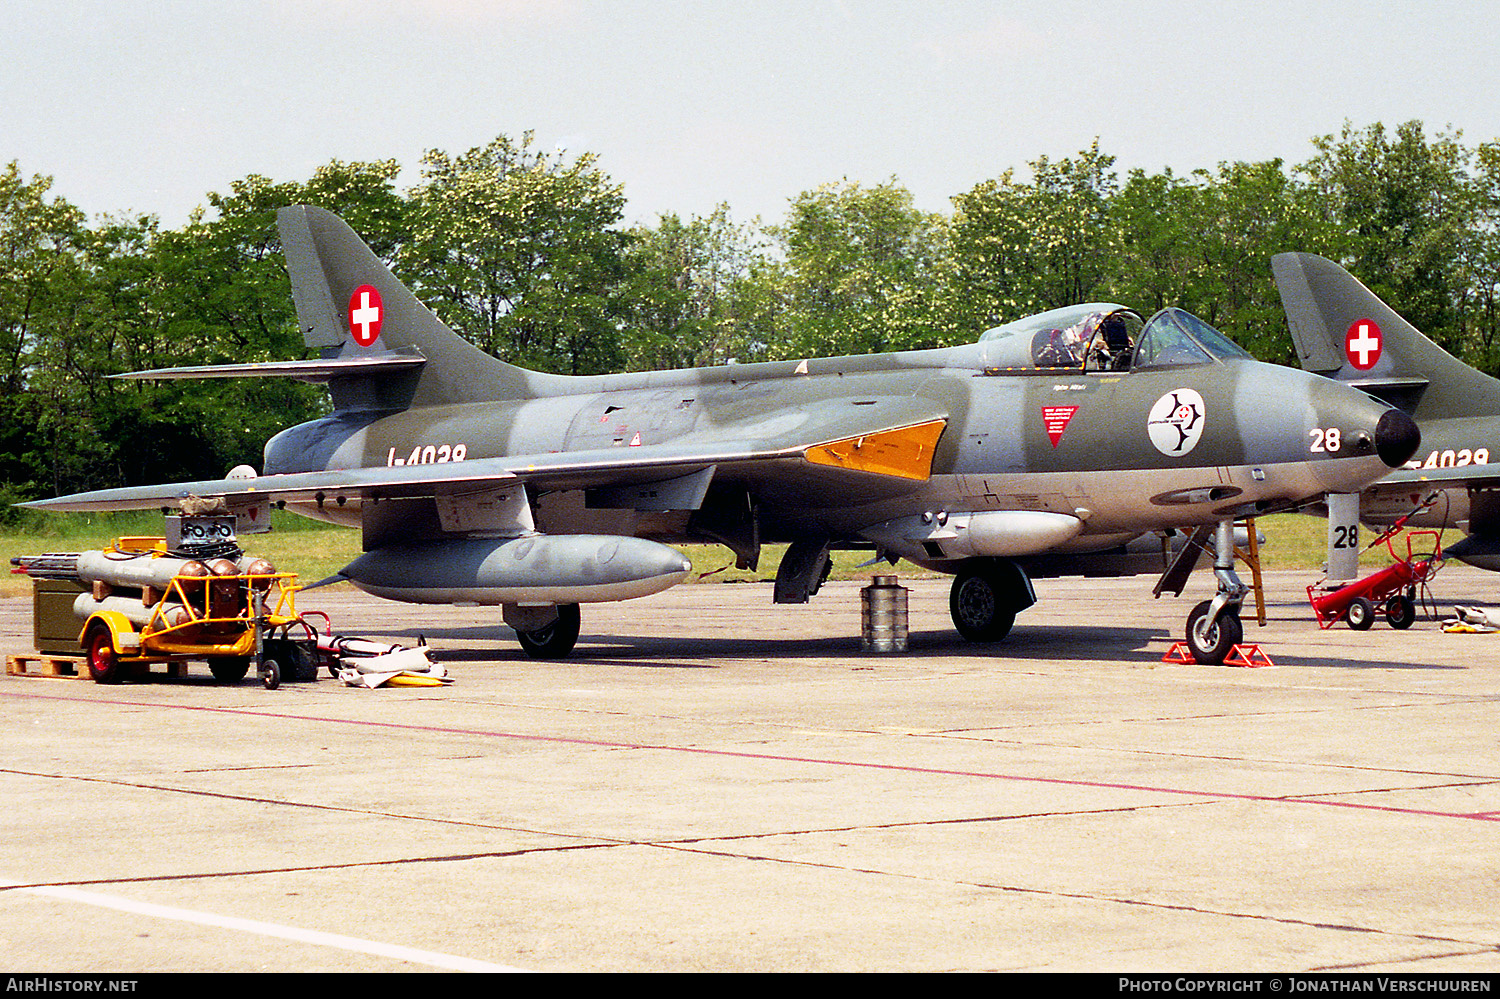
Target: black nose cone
{"type": "Point", "coordinates": [1396, 438]}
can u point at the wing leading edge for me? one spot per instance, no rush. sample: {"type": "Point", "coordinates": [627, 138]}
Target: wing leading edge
{"type": "Point", "coordinates": [881, 459]}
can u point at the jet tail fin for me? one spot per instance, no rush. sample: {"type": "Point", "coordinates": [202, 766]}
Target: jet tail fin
{"type": "Point", "coordinates": [1343, 330]}
{"type": "Point", "coordinates": [352, 308]}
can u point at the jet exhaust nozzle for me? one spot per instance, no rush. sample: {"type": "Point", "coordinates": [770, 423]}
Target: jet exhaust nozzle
{"type": "Point", "coordinates": [1397, 438]}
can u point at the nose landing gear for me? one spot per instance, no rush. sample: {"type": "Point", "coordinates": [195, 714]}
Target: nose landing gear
{"type": "Point", "coordinates": [1213, 627]}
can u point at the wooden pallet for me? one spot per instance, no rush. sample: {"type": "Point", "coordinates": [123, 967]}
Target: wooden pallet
{"type": "Point", "coordinates": [42, 664]}
{"type": "Point", "coordinates": [74, 667]}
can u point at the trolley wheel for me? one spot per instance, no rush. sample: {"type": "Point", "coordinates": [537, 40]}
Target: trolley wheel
{"type": "Point", "coordinates": [1401, 611]}
{"type": "Point", "coordinates": [104, 663]}
{"type": "Point", "coordinates": [270, 674]}
{"type": "Point", "coordinates": [229, 669]}
{"type": "Point", "coordinates": [1361, 614]}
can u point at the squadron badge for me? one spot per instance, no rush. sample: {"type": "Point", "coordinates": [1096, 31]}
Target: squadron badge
{"type": "Point", "coordinates": [1176, 422]}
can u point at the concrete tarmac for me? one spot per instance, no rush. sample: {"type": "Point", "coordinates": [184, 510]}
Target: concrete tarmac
{"type": "Point", "coordinates": [713, 782]}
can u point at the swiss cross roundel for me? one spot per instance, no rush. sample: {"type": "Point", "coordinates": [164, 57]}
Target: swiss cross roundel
{"type": "Point", "coordinates": [1363, 343]}
{"type": "Point", "coordinates": [365, 315]}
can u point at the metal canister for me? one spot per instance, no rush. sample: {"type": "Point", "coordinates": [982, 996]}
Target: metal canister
{"type": "Point", "coordinates": [882, 613]}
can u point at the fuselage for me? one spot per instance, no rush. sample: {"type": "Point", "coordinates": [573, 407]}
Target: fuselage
{"type": "Point", "coordinates": [1124, 452]}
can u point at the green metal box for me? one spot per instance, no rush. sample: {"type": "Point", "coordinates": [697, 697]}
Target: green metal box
{"type": "Point", "coordinates": [54, 627]}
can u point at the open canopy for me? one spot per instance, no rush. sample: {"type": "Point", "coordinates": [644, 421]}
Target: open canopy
{"type": "Point", "coordinates": [1103, 336]}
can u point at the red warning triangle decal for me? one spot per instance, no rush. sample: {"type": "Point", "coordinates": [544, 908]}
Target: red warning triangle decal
{"type": "Point", "coordinates": [1056, 419]}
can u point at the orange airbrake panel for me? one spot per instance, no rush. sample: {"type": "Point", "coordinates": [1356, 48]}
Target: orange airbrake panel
{"type": "Point", "coordinates": [906, 452]}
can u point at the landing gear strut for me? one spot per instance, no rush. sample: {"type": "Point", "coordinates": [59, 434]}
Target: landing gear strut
{"type": "Point", "coordinates": [1213, 628]}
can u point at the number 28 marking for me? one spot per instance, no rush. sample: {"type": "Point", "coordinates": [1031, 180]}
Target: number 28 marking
{"type": "Point", "coordinates": [1325, 440]}
{"type": "Point", "coordinates": [1346, 536]}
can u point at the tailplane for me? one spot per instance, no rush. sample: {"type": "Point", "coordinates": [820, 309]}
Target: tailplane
{"type": "Point", "coordinates": [354, 311]}
{"type": "Point", "coordinates": [1344, 331]}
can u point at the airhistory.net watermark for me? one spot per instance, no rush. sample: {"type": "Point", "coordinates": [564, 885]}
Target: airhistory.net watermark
{"type": "Point", "coordinates": [54, 983]}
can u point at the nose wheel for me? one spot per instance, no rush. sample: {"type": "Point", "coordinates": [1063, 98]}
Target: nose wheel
{"type": "Point", "coordinates": [1211, 639]}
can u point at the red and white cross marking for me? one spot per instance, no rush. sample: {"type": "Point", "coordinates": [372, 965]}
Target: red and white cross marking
{"type": "Point", "coordinates": [365, 315]}
{"type": "Point", "coordinates": [1362, 344]}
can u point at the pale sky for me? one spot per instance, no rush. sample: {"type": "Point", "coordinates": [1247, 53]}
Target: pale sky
{"type": "Point", "coordinates": [145, 107]}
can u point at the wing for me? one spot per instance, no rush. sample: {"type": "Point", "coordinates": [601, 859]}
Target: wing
{"type": "Point", "coordinates": [836, 451]}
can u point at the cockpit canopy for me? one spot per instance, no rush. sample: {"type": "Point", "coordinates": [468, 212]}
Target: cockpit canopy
{"type": "Point", "coordinates": [1174, 338]}
{"type": "Point", "coordinates": [1102, 336]}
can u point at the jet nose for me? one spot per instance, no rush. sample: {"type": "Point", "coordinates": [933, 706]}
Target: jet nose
{"type": "Point", "coordinates": [1397, 438]}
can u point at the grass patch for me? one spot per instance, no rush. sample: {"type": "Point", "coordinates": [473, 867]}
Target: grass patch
{"type": "Point", "coordinates": [315, 550]}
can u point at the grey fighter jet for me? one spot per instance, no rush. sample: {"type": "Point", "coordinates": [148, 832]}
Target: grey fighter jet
{"type": "Point", "coordinates": [1344, 331]}
{"type": "Point", "coordinates": [1050, 446]}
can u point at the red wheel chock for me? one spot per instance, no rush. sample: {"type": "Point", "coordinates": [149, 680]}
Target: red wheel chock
{"type": "Point", "coordinates": [1247, 655]}
{"type": "Point", "coordinates": [1241, 655]}
{"type": "Point", "coordinates": [1179, 654]}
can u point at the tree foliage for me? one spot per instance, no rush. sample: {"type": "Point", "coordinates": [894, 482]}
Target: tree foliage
{"type": "Point", "coordinates": [1404, 205]}
{"type": "Point", "coordinates": [686, 299]}
{"type": "Point", "coordinates": [854, 274]}
{"type": "Point", "coordinates": [517, 249]}
{"type": "Point", "coordinates": [1026, 246]}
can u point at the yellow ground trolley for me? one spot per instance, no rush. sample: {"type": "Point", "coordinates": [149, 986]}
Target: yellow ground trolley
{"type": "Point", "coordinates": [230, 619]}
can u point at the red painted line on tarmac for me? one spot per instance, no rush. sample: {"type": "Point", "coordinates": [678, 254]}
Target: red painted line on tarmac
{"type": "Point", "coordinates": [781, 758]}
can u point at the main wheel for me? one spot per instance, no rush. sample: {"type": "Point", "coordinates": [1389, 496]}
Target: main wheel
{"type": "Point", "coordinates": [1361, 614]}
{"type": "Point", "coordinates": [980, 606]}
{"type": "Point", "coordinates": [104, 664]}
{"type": "Point", "coordinates": [229, 669]}
{"type": "Point", "coordinates": [1211, 640]}
{"type": "Point", "coordinates": [556, 640]}
{"type": "Point", "coordinates": [1401, 611]}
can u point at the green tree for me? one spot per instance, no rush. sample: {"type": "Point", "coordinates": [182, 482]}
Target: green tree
{"type": "Point", "coordinates": [518, 250]}
{"type": "Point", "coordinates": [1248, 213]}
{"type": "Point", "coordinates": [1020, 248]}
{"type": "Point", "coordinates": [683, 283]}
{"type": "Point", "coordinates": [857, 272]}
{"type": "Point", "coordinates": [39, 242]}
{"type": "Point", "coordinates": [1479, 255]}
{"type": "Point", "coordinates": [220, 293]}
{"type": "Point", "coordinates": [1205, 243]}
{"type": "Point", "coordinates": [1158, 219]}
{"type": "Point", "coordinates": [40, 277]}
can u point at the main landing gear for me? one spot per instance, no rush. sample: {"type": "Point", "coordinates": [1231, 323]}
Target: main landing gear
{"type": "Point", "coordinates": [1213, 627]}
{"type": "Point", "coordinates": [548, 632]}
{"type": "Point", "coordinates": [987, 595]}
